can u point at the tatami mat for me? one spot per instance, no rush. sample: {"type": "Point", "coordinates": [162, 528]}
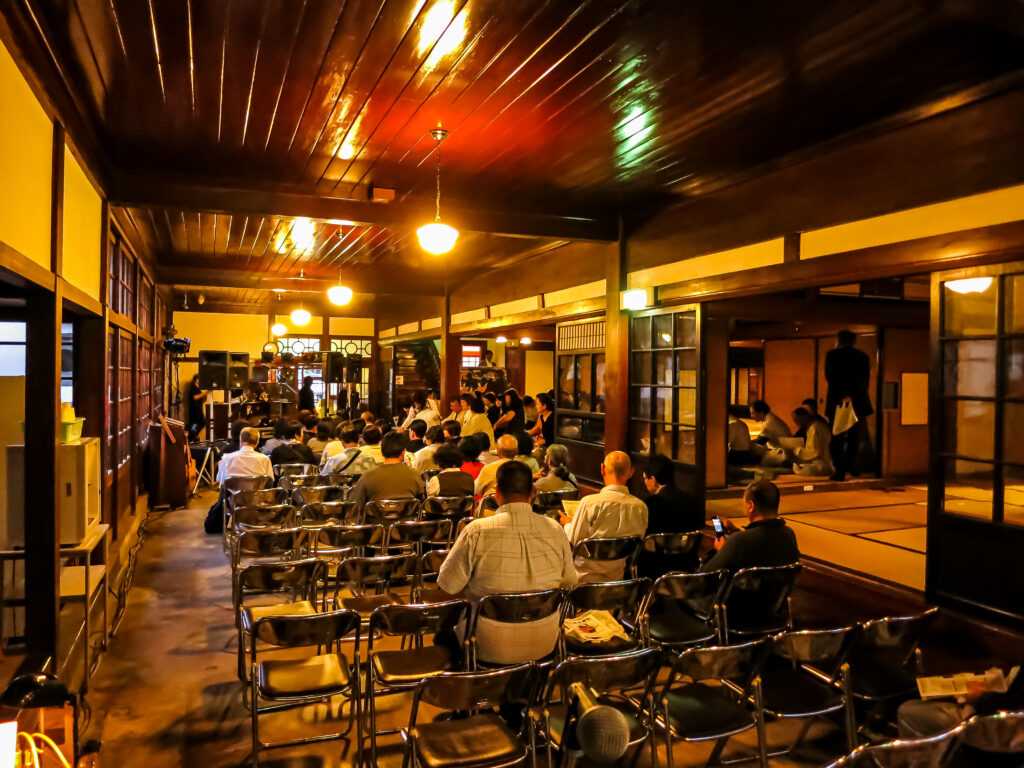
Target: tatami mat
{"type": "Point", "coordinates": [867, 519]}
{"type": "Point", "coordinates": [910, 538]}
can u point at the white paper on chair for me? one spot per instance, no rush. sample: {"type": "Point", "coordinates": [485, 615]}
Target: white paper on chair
{"type": "Point", "coordinates": [964, 684]}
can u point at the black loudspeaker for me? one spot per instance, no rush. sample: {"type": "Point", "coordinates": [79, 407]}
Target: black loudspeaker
{"type": "Point", "coordinates": [238, 370]}
{"type": "Point", "coordinates": [354, 368]}
{"type": "Point", "coordinates": [213, 369]}
{"type": "Point", "coordinates": [334, 368]}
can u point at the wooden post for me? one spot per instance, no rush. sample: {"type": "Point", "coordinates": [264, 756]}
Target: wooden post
{"type": "Point", "coordinates": [42, 472]}
{"type": "Point", "coordinates": [616, 356]}
{"type": "Point", "coordinates": [451, 356]}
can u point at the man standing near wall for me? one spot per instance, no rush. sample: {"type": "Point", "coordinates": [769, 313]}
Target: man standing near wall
{"type": "Point", "coordinates": [847, 371]}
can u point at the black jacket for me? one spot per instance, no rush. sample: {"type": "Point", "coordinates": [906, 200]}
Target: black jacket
{"type": "Point", "coordinates": [671, 510]}
{"type": "Point", "coordinates": [292, 453]}
{"type": "Point", "coordinates": [847, 371]}
{"type": "Point", "coordinates": [307, 400]}
{"type": "Point", "coordinates": [763, 543]}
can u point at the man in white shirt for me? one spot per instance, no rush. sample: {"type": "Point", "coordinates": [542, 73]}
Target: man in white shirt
{"type": "Point", "coordinates": [423, 459]}
{"type": "Point", "coordinates": [420, 410]}
{"type": "Point", "coordinates": [772, 427]}
{"type": "Point", "coordinates": [351, 460]}
{"type": "Point", "coordinates": [814, 459]}
{"type": "Point", "coordinates": [515, 550]}
{"type": "Point", "coordinates": [486, 481]}
{"type": "Point", "coordinates": [612, 513]}
{"type": "Point", "coordinates": [246, 461]}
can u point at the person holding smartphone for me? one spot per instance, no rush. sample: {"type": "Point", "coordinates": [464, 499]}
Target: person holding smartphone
{"type": "Point", "coordinates": [765, 541]}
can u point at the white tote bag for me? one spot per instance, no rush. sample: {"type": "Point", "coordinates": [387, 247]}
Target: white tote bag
{"type": "Point", "coordinates": [844, 419]}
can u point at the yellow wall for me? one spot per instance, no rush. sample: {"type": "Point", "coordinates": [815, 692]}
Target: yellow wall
{"type": "Point", "coordinates": [26, 140]}
{"type": "Point", "coordinates": [83, 230]}
{"type": "Point", "coordinates": [351, 326]}
{"type": "Point", "coordinates": [540, 371]}
{"type": "Point", "coordinates": [220, 331]}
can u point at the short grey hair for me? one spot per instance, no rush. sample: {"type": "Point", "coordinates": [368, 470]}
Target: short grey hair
{"type": "Point", "coordinates": [249, 436]}
{"type": "Point", "coordinates": [557, 455]}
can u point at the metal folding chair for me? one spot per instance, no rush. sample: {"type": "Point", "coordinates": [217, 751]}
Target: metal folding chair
{"type": "Point", "coordinates": [519, 608]}
{"type": "Point", "coordinates": [624, 600]}
{"type": "Point", "coordinates": [756, 602]}
{"type": "Point", "coordinates": [682, 610]}
{"type": "Point", "coordinates": [929, 752]}
{"type": "Point", "coordinates": [662, 553]}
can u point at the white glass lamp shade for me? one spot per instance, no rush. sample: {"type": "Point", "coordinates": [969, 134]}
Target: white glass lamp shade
{"type": "Point", "coordinates": [437, 238]}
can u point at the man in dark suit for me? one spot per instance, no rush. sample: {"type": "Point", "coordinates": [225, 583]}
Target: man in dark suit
{"type": "Point", "coordinates": [669, 510]}
{"type": "Point", "coordinates": [847, 371]}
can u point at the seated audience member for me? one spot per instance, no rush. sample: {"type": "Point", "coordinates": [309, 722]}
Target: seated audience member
{"type": "Point", "coordinates": [371, 438]}
{"type": "Point", "coordinates": [394, 479]}
{"type": "Point", "coordinates": [451, 480]}
{"type": "Point", "coordinates": [452, 431]}
{"type": "Point", "coordinates": [738, 439]}
{"type": "Point", "coordinates": [366, 417]}
{"type": "Point", "coordinates": [557, 476]}
{"type": "Point", "coordinates": [493, 411]}
{"type": "Point", "coordinates": [292, 450]}
{"type": "Point", "coordinates": [423, 459]}
{"type": "Point", "coordinates": [465, 409]}
{"type": "Point", "coordinates": [508, 447]}
{"type": "Point", "coordinates": [470, 450]}
{"type": "Point", "coordinates": [612, 513]}
{"type": "Point", "coordinates": [814, 459]}
{"type": "Point", "coordinates": [246, 461]}
{"type": "Point", "coordinates": [477, 421]}
{"type": "Point", "coordinates": [351, 460]}
{"type": "Point", "coordinates": [766, 541]}
{"type": "Point", "coordinates": [335, 445]}
{"type": "Point", "coordinates": [917, 719]}
{"type": "Point", "coordinates": [279, 428]}
{"type": "Point", "coordinates": [772, 427]}
{"type": "Point", "coordinates": [309, 423]}
{"type": "Point", "coordinates": [529, 411]}
{"type": "Point", "coordinates": [417, 431]}
{"type": "Point", "coordinates": [544, 427]}
{"type": "Point", "coordinates": [324, 436]}
{"type": "Point", "coordinates": [454, 409]}
{"type": "Point", "coordinates": [811, 406]}
{"type": "Point", "coordinates": [514, 550]}
{"type": "Point", "coordinates": [525, 455]}
{"type": "Point", "coordinates": [420, 409]}
{"type": "Point", "coordinates": [512, 419]}
{"type": "Point", "coordinates": [669, 509]}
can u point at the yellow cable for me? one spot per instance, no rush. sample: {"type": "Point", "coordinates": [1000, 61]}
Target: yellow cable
{"type": "Point", "coordinates": [47, 741]}
{"type": "Point", "coordinates": [31, 746]}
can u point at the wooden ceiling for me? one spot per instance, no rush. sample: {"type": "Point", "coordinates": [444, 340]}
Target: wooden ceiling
{"type": "Point", "coordinates": [221, 121]}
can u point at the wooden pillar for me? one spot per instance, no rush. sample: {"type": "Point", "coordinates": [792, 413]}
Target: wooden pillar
{"type": "Point", "coordinates": [616, 356]}
{"type": "Point", "coordinates": [714, 399]}
{"type": "Point", "coordinates": [451, 356]}
{"type": "Point", "coordinates": [42, 422]}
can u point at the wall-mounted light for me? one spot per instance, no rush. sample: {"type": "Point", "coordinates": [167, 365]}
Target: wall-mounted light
{"type": "Point", "coordinates": [301, 316]}
{"type": "Point", "coordinates": [501, 340]}
{"type": "Point", "coordinates": [970, 285]}
{"type": "Point", "coordinates": [526, 340]}
{"type": "Point", "coordinates": [279, 329]}
{"type": "Point", "coordinates": [637, 298]}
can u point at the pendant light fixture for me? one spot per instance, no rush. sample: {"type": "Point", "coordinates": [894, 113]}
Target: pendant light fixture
{"type": "Point", "coordinates": [436, 237]}
{"type": "Point", "coordinates": [279, 329]}
{"type": "Point", "coordinates": [301, 316]}
{"type": "Point", "coordinates": [339, 294]}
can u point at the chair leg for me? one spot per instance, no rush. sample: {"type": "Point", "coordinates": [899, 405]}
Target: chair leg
{"type": "Point", "coordinates": [715, 757]}
{"type": "Point", "coordinates": [762, 736]}
{"type": "Point", "coordinates": [370, 700]}
{"type": "Point", "coordinates": [850, 716]}
{"type": "Point", "coordinates": [668, 740]}
{"type": "Point", "coordinates": [255, 710]}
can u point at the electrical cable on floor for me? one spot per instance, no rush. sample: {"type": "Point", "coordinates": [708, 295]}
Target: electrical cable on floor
{"type": "Point", "coordinates": [121, 595]}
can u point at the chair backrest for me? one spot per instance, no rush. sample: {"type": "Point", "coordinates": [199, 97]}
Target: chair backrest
{"type": "Point", "coordinates": [617, 548]}
{"type": "Point", "coordinates": [677, 551]}
{"type": "Point", "coordinates": [1000, 733]}
{"type": "Point", "coordinates": [455, 507]}
{"type": "Point", "coordinates": [312, 494]}
{"type": "Point", "coordinates": [896, 635]}
{"type": "Point", "coordinates": [295, 469]}
{"type": "Point", "coordinates": [623, 599]}
{"type": "Point", "coordinates": [696, 594]}
{"type": "Point", "coordinates": [252, 483]}
{"type": "Point", "coordinates": [330, 539]}
{"type": "Point", "coordinates": [319, 629]}
{"type": "Point", "coordinates": [928, 752]}
{"type": "Point", "coordinates": [418, 619]}
{"type": "Point", "coordinates": [545, 501]}
{"type": "Point", "coordinates": [488, 503]}
{"type": "Point", "coordinates": [430, 562]}
{"type": "Point", "coordinates": [291, 482]}
{"type": "Point", "coordinates": [321, 512]}
{"type": "Point", "coordinates": [389, 510]}
{"type": "Point", "coordinates": [427, 474]}
{"type": "Point", "coordinates": [340, 479]}
{"type": "Point", "coordinates": [279, 542]}
{"type": "Point", "coordinates": [824, 648]}
{"type": "Point", "coordinates": [381, 571]}
{"type": "Point", "coordinates": [263, 516]}
{"type": "Point", "coordinates": [462, 524]}
{"type": "Point", "coordinates": [249, 498]}
{"type": "Point", "coordinates": [609, 674]}
{"type": "Point", "coordinates": [416, 533]}
{"type": "Point", "coordinates": [759, 595]}
{"type": "Point", "coordinates": [738, 663]}
{"type": "Point", "coordinates": [303, 578]}
{"type": "Point", "coordinates": [520, 607]}
{"type": "Point", "coordinates": [468, 691]}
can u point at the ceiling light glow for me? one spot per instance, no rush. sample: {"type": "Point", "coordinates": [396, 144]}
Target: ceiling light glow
{"type": "Point", "coordinates": [526, 340]}
{"type": "Point", "coordinates": [635, 299]}
{"type": "Point", "coordinates": [339, 294]}
{"type": "Point", "coordinates": [501, 340]}
{"type": "Point", "coordinates": [301, 316]}
{"type": "Point", "coordinates": [279, 329]}
{"type": "Point", "coordinates": [970, 285]}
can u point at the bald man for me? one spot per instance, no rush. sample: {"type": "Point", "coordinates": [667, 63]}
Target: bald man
{"type": "Point", "coordinates": [612, 513]}
{"type": "Point", "coordinates": [486, 481]}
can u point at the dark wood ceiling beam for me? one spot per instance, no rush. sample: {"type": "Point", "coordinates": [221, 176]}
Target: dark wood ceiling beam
{"type": "Point", "coordinates": [144, 192]}
{"type": "Point", "coordinates": [370, 282]}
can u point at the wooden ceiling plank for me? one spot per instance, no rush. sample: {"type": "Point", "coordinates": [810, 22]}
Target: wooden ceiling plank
{"type": "Point", "coordinates": [278, 58]}
{"type": "Point", "coordinates": [186, 273]}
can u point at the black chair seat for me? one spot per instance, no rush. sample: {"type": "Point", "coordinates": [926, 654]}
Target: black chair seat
{"type": "Point", "coordinates": [680, 629]}
{"type": "Point", "coordinates": [475, 742]}
{"type": "Point", "coordinates": [615, 645]}
{"type": "Point", "coordinates": [557, 715]}
{"type": "Point", "coordinates": [757, 626]}
{"type": "Point", "coordinates": [697, 712]}
{"type": "Point", "coordinates": [287, 678]}
{"type": "Point", "coordinates": [872, 677]}
{"type": "Point", "coordinates": [412, 665]}
{"type": "Point", "coordinates": [789, 692]}
{"type": "Point", "coordinates": [364, 606]}
{"type": "Point", "coordinates": [254, 613]}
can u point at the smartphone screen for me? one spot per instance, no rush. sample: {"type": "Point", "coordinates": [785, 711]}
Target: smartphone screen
{"type": "Point", "coordinates": [717, 525]}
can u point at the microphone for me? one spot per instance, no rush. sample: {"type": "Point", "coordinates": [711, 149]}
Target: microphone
{"type": "Point", "coordinates": [601, 731]}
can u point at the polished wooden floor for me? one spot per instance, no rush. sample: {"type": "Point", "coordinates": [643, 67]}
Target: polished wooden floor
{"type": "Point", "coordinates": [166, 693]}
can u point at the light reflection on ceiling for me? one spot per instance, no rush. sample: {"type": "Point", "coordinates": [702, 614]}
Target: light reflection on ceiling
{"type": "Point", "coordinates": [636, 116]}
{"type": "Point", "coordinates": [299, 238]}
{"type": "Point", "coordinates": [443, 26]}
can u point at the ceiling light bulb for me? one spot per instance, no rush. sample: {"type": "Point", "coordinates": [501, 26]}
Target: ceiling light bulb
{"type": "Point", "coordinates": [526, 340]}
{"type": "Point", "coordinates": [437, 238]}
{"type": "Point", "coordinates": [301, 316]}
{"type": "Point", "coordinates": [279, 329]}
{"type": "Point", "coordinates": [970, 285]}
{"type": "Point", "coordinates": [201, 299]}
{"type": "Point", "coordinates": [501, 339]}
{"type": "Point", "coordinates": [339, 294]}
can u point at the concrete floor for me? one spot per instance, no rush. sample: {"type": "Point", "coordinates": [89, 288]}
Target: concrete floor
{"type": "Point", "coordinates": [166, 693]}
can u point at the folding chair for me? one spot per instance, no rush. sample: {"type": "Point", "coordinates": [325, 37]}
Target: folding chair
{"type": "Point", "coordinates": [400, 670]}
{"type": "Point", "coordinates": [519, 608]}
{"type": "Point", "coordinates": [550, 502]}
{"type": "Point", "coordinates": [756, 602]}
{"type": "Point", "coordinates": [342, 479]}
{"type": "Point", "coordinates": [263, 546]}
{"type": "Point", "coordinates": [929, 752]}
{"type": "Point", "coordinates": [429, 568]}
{"type": "Point", "coordinates": [453, 508]}
{"type": "Point", "coordinates": [321, 513]}
{"type": "Point", "coordinates": [624, 600]}
{"type": "Point", "coordinates": [482, 740]}
{"type": "Point", "coordinates": [682, 610]}
{"type": "Point", "coordinates": [294, 682]}
{"type": "Point", "coordinates": [419, 535]}
{"type": "Point", "coordinates": [387, 511]}
{"type": "Point", "coordinates": [292, 470]}
{"type": "Point", "coordinates": [262, 517]}
{"type": "Point", "coordinates": [378, 573]}
{"type": "Point", "coordinates": [291, 482]}
{"type": "Point", "coordinates": [697, 711]}
{"type": "Point", "coordinates": [317, 493]}
{"type": "Point", "coordinates": [610, 678]}
{"type": "Point", "coordinates": [662, 553]}
{"type": "Point", "coordinates": [990, 741]}
{"type": "Point", "coordinates": [609, 551]}
{"type": "Point", "coordinates": [488, 505]}
{"type": "Point", "coordinates": [235, 485]}
{"type": "Point", "coordinates": [334, 543]}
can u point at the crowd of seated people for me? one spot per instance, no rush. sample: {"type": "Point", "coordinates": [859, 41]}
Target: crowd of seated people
{"type": "Point", "coordinates": [805, 451]}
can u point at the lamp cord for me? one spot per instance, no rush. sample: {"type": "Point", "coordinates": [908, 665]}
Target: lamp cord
{"type": "Point", "coordinates": [437, 206]}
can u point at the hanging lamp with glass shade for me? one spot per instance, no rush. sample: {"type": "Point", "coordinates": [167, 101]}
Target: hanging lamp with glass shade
{"type": "Point", "coordinates": [301, 316]}
{"type": "Point", "coordinates": [437, 237]}
{"type": "Point", "coordinates": [339, 294]}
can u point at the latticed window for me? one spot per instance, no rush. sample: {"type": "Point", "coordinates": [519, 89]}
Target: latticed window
{"type": "Point", "coordinates": [579, 396]}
